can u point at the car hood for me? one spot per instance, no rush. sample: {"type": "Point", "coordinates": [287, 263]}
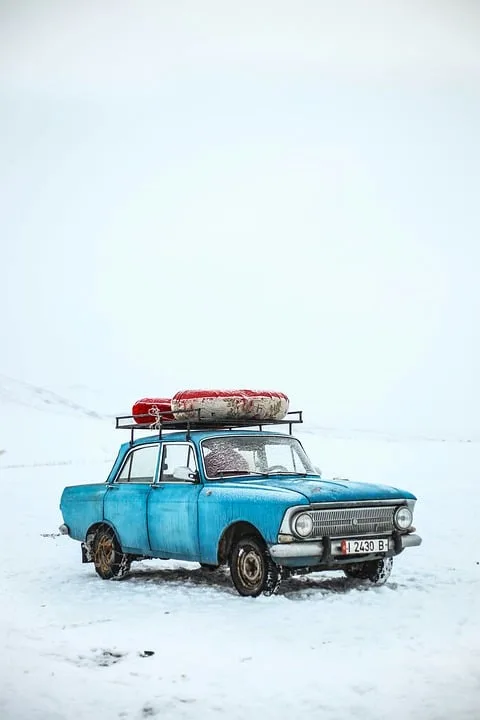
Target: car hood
{"type": "Point", "coordinates": [318, 490]}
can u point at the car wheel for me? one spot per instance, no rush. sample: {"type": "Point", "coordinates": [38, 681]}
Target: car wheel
{"type": "Point", "coordinates": [110, 563]}
{"type": "Point", "coordinates": [376, 572]}
{"type": "Point", "coordinates": [252, 569]}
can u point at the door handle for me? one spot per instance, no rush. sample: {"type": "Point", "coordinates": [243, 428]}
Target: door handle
{"type": "Point", "coordinates": [157, 487]}
{"type": "Point", "coordinates": [112, 487]}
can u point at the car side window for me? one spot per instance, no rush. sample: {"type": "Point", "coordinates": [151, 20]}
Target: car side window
{"type": "Point", "coordinates": [140, 465]}
{"type": "Point", "coordinates": [176, 455]}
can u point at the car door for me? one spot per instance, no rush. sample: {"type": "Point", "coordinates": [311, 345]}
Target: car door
{"type": "Point", "coordinates": [125, 504]}
{"type": "Point", "coordinates": [172, 508]}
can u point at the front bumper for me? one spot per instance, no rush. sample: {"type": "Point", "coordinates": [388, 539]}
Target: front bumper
{"type": "Point", "coordinates": [327, 552]}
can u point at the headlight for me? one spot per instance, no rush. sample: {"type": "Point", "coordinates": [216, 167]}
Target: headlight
{"type": "Point", "coordinates": [303, 525]}
{"type": "Point", "coordinates": [403, 518]}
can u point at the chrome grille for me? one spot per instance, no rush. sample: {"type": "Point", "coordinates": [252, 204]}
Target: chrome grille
{"type": "Point", "coordinates": [345, 522]}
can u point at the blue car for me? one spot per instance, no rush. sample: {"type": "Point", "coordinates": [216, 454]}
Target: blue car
{"type": "Point", "coordinates": [235, 495]}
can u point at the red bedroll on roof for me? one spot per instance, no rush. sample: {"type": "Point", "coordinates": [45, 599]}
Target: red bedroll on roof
{"type": "Point", "coordinates": [149, 410]}
{"type": "Point", "coordinates": [229, 405]}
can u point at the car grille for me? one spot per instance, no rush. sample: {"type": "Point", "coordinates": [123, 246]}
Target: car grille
{"type": "Point", "coordinates": [345, 522]}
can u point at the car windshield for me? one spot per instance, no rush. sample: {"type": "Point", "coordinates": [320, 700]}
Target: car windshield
{"type": "Point", "coordinates": [254, 455]}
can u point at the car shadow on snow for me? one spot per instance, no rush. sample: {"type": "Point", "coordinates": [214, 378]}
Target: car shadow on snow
{"type": "Point", "coordinates": [292, 587]}
{"type": "Point", "coordinates": [305, 586]}
{"type": "Point", "coordinates": [181, 576]}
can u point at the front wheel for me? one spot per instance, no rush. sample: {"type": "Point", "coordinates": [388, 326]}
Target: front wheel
{"type": "Point", "coordinates": [110, 563]}
{"type": "Point", "coordinates": [376, 572]}
{"type": "Point", "coordinates": [252, 569]}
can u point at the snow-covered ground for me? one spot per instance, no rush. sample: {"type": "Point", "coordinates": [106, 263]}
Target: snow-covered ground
{"type": "Point", "coordinates": [173, 641]}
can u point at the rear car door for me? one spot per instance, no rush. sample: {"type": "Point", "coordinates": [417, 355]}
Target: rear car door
{"type": "Point", "coordinates": [125, 504]}
{"type": "Point", "coordinates": [172, 508]}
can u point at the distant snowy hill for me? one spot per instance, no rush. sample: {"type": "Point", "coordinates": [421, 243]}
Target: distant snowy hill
{"type": "Point", "coordinates": [42, 426]}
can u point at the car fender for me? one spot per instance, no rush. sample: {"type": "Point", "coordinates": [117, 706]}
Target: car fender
{"type": "Point", "coordinates": [81, 507]}
{"type": "Point", "coordinates": [221, 506]}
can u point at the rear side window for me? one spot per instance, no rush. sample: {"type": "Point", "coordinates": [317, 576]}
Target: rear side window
{"type": "Point", "coordinates": [140, 465]}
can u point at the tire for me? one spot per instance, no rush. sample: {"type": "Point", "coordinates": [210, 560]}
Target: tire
{"type": "Point", "coordinates": [252, 569]}
{"type": "Point", "coordinates": [110, 563]}
{"type": "Point", "coordinates": [376, 572]}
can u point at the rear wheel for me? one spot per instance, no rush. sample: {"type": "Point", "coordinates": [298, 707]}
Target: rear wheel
{"type": "Point", "coordinates": [110, 563]}
{"type": "Point", "coordinates": [252, 569]}
{"type": "Point", "coordinates": [376, 572]}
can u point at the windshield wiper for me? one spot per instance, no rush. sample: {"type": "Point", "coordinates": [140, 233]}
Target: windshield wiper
{"type": "Point", "coordinates": [284, 472]}
{"type": "Point", "coordinates": [233, 473]}
{"type": "Point", "coordinates": [226, 473]}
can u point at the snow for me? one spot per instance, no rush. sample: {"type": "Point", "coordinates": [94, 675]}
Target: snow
{"type": "Point", "coordinates": [175, 641]}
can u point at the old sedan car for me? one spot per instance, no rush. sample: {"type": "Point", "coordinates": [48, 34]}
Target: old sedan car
{"type": "Point", "coordinates": [247, 498]}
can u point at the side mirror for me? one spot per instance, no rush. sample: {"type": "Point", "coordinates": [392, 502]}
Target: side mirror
{"type": "Point", "coordinates": [185, 474]}
{"type": "Point", "coordinates": [317, 470]}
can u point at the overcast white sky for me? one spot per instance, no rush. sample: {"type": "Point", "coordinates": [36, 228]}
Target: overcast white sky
{"type": "Point", "coordinates": [260, 194]}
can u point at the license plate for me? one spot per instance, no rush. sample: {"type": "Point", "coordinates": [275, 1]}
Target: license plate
{"type": "Point", "coordinates": [357, 547]}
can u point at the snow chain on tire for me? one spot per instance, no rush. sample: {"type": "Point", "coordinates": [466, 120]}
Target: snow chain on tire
{"type": "Point", "coordinates": [124, 568]}
{"type": "Point", "coordinates": [274, 580]}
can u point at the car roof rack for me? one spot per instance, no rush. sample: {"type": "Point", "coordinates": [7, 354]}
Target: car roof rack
{"type": "Point", "coordinates": [163, 421]}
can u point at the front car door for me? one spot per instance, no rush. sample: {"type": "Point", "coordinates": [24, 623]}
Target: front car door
{"type": "Point", "coordinates": [125, 504]}
{"type": "Point", "coordinates": [172, 511]}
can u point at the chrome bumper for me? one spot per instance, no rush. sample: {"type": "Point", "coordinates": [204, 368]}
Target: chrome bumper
{"type": "Point", "coordinates": [316, 550]}
{"type": "Point", "coordinates": [410, 540]}
{"type": "Point", "coordinates": [296, 550]}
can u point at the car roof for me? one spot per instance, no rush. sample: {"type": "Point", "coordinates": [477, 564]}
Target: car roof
{"type": "Point", "coordinates": [198, 435]}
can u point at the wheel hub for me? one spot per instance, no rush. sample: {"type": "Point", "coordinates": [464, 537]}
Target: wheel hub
{"type": "Point", "coordinates": [250, 567]}
{"type": "Point", "coordinates": [105, 553]}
